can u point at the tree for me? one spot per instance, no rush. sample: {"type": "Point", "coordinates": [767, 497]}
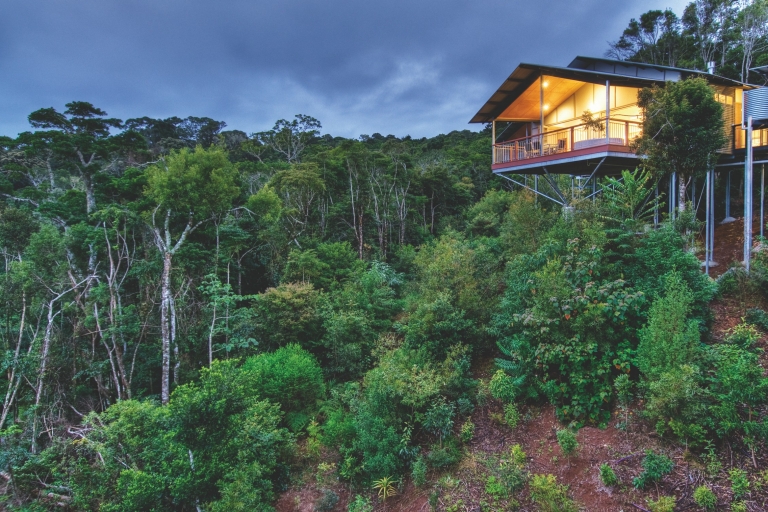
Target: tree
{"type": "Point", "coordinates": [188, 187]}
{"type": "Point", "coordinates": [653, 38]}
{"type": "Point", "coordinates": [85, 141]}
{"type": "Point", "coordinates": [682, 130]}
{"type": "Point", "coordinates": [752, 23]}
{"type": "Point", "coordinates": [289, 139]}
{"type": "Point", "coordinates": [670, 338]}
{"type": "Point", "coordinates": [299, 187]}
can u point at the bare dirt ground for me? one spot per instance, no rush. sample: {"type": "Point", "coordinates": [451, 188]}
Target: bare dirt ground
{"type": "Point", "coordinates": [729, 244]}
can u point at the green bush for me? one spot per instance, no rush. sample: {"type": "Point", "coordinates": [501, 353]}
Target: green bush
{"type": "Point", "coordinates": [739, 483]}
{"type": "Point", "coordinates": [360, 504]}
{"type": "Point", "coordinates": [439, 418]}
{"type": "Point", "coordinates": [743, 335]}
{"type": "Point", "coordinates": [291, 377]}
{"type": "Point", "coordinates": [216, 443]}
{"type": "Point", "coordinates": [467, 431]}
{"type": "Point", "coordinates": [495, 488]}
{"type": "Point", "coordinates": [502, 387]}
{"type": "Point", "coordinates": [511, 415]}
{"type": "Point", "coordinates": [419, 471]}
{"type": "Point", "coordinates": [327, 501]}
{"type": "Point", "coordinates": [758, 317]}
{"type": "Point", "coordinates": [676, 396]}
{"type": "Point", "coordinates": [555, 322]}
{"type": "Point", "coordinates": [517, 455]}
{"type": "Point", "coordinates": [550, 496]}
{"type": "Point", "coordinates": [705, 498]}
{"type": "Point", "coordinates": [287, 314]}
{"type": "Point", "coordinates": [567, 441]}
{"type": "Point", "coordinates": [445, 455]}
{"type": "Point", "coordinates": [654, 468]}
{"type": "Point", "coordinates": [738, 506]}
{"type": "Point", "coordinates": [663, 504]}
{"type": "Point", "coordinates": [608, 475]}
{"type": "Point", "coordinates": [659, 252]}
{"type": "Point", "coordinates": [669, 339]}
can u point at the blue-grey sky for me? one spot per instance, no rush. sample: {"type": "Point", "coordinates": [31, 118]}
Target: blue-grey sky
{"type": "Point", "coordinates": [406, 67]}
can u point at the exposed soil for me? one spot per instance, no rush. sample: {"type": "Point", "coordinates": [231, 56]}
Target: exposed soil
{"type": "Point", "coordinates": [729, 244]}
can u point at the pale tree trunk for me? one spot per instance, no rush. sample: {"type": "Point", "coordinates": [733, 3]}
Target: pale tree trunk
{"type": "Point", "coordinates": [13, 382]}
{"type": "Point", "coordinates": [401, 194]}
{"type": "Point", "coordinates": [682, 188]}
{"type": "Point", "coordinates": [165, 305]}
{"type": "Point", "coordinates": [90, 196]}
{"type": "Point", "coordinates": [44, 350]}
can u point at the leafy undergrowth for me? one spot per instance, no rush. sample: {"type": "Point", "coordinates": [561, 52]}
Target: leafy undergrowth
{"type": "Point", "coordinates": [488, 477]}
{"type": "Point", "coordinates": [505, 468]}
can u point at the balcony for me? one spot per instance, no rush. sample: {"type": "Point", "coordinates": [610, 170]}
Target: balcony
{"type": "Point", "coordinates": [573, 141]}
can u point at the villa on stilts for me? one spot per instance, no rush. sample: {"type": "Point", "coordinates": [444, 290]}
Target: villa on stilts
{"type": "Point", "coordinates": [558, 131]}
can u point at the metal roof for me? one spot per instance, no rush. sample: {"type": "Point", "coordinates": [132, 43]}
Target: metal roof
{"type": "Point", "coordinates": [591, 70]}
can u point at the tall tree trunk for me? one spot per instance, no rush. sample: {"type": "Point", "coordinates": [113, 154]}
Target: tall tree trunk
{"type": "Point", "coordinates": [13, 382]}
{"type": "Point", "coordinates": [90, 196]}
{"type": "Point", "coordinates": [682, 188]}
{"type": "Point", "coordinates": [165, 328]}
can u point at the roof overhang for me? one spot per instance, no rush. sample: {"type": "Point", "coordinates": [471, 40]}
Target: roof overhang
{"type": "Point", "coordinates": [589, 70]}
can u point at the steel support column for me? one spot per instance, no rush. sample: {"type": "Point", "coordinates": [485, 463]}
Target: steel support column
{"type": "Point", "coordinates": [748, 197]}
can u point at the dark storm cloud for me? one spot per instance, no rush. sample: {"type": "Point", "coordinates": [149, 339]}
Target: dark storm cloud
{"type": "Point", "coordinates": [402, 66]}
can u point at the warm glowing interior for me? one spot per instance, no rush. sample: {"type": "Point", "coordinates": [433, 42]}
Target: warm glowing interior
{"type": "Point", "coordinates": [564, 103]}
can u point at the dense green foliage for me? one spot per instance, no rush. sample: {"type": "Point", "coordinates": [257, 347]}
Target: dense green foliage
{"type": "Point", "coordinates": [198, 316]}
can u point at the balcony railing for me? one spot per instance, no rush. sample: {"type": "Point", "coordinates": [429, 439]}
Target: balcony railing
{"type": "Point", "coordinates": [620, 133]}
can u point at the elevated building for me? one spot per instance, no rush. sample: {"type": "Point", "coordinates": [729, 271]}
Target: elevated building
{"type": "Point", "coordinates": [538, 116]}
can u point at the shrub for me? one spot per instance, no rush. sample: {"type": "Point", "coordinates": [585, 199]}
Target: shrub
{"type": "Point", "coordinates": [291, 377]}
{"type": "Point", "coordinates": [419, 471]}
{"type": "Point", "coordinates": [495, 488]}
{"type": "Point", "coordinates": [669, 339]}
{"type": "Point", "coordinates": [439, 418]}
{"type": "Point", "coordinates": [288, 314]}
{"type": "Point", "coordinates": [738, 506]}
{"type": "Point", "coordinates": [705, 498]}
{"type": "Point", "coordinates": [608, 475]}
{"type": "Point", "coordinates": [465, 406]}
{"type": "Point", "coordinates": [518, 456]}
{"type": "Point", "coordinates": [502, 387]}
{"type": "Point", "coordinates": [743, 335]}
{"type": "Point", "coordinates": [327, 501]}
{"type": "Point", "coordinates": [549, 496]}
{"type": "Point", "coordinates": [739, 483]}
{"type": "Point", "coordinates": [386, 487]}
{"type": "Point", "coordinates": [654, 468]}
{"type": "Point", "coordinates": [676, 394]}
{"type": "Point", "coordinates": [567, 441]}
{"type": "Point", "coordinates": [511, 415]}
{"type": "Point", "coordinates": [442, 456]}
{"type": "Point", "coordinates": [360, 504]}
{"type": "Point", "coordinates": [663, 504]}
{"type": "Point", "coordinates": [513, 476]}
{"type": "Point", "coordinates": [757, 317]}
{"type": "Point", "coordinates": [553, 322]}
{"type": "Point", "coordinates": [467, 431]}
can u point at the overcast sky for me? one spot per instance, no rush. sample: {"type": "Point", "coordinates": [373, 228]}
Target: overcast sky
{"type": "Point", "coordinates": [406, 67]}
